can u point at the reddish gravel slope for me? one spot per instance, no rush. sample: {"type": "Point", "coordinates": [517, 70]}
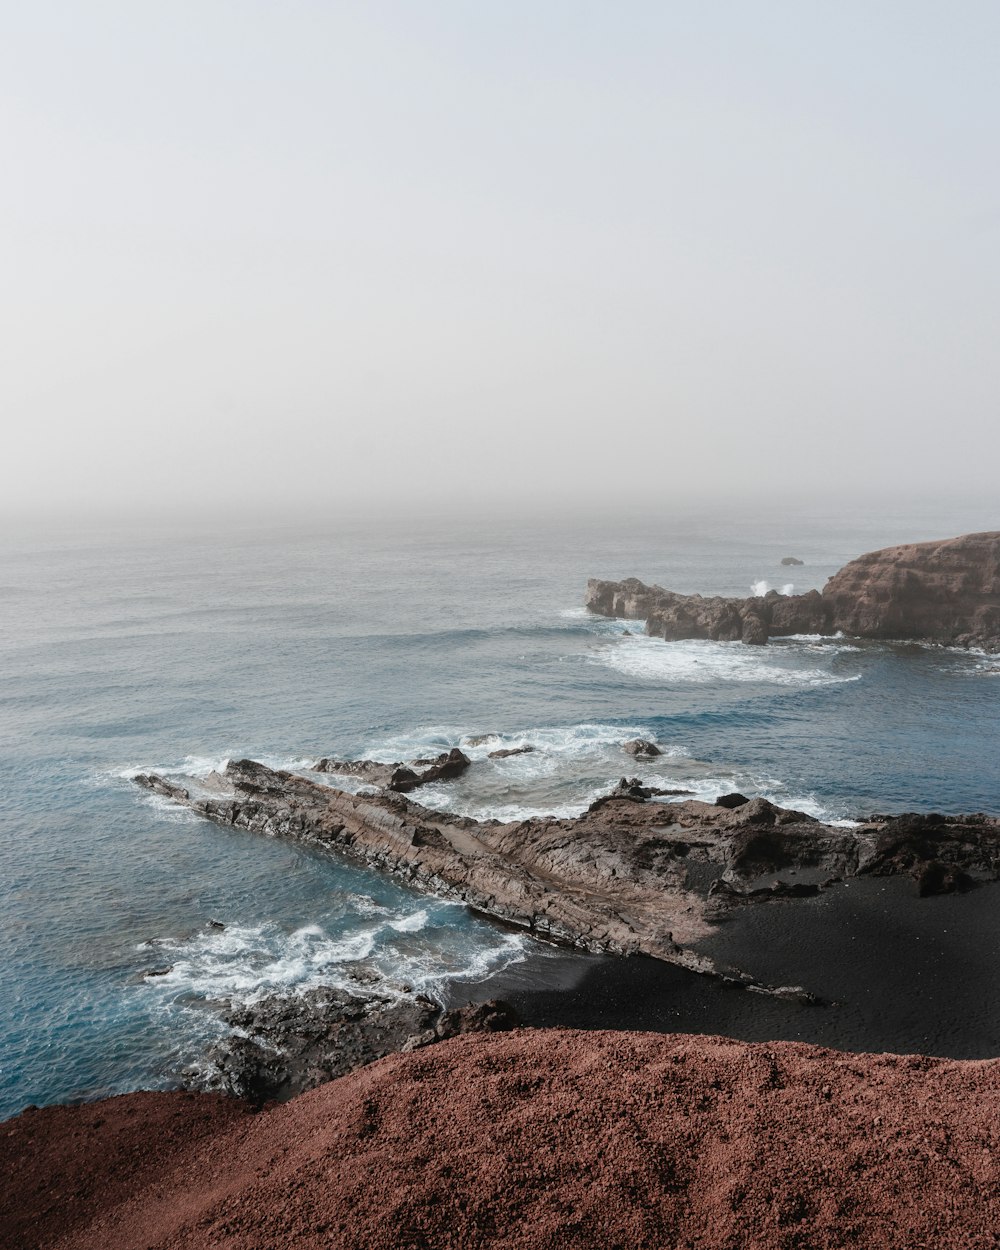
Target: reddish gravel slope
{"type": "Point", "coordinates": [532, 1139]}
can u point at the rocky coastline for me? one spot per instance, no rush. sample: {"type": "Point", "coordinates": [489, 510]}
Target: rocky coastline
{"type": "Point", "coordinates": [283, 1045]}
{"type": "Point", "coordinates": [944, 592]}
{"type": "Point", "coordinates": [632, 875]}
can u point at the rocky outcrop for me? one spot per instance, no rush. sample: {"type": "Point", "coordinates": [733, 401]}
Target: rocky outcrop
{"type": "Point", "coordinates": [399, 777]}
{"type": "Point", "coordinates": [629, 876]}
{"type": "Point", "coordinates": [641, 749]}
{"type": "Point", "coordinates": [791, 561]}
{"type": "Point", "coordinates": [946, 592]}
{"type": "Point", "coordinates": [285, 1044]}
{"type": "Point", "coordinates": [531, 1140]}
{"type": "Point", "coordinates": [674, 617]}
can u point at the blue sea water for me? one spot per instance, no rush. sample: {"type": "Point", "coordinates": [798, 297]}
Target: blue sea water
{"type": "Point", "coordinates": [175, 647]}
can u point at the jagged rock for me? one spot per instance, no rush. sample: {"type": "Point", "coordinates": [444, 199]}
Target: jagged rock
{"type": "Point", "coordinates": [946, 592]}
{"type": "Point", "coordinates": [161, 786]}
{"type": "Point", "coordinates": [731, 800]}
{"type": "Point", "coordinates": [795, 994]}
{"type": "Point", "coordinates": [506, 752]}
{"type": "Point", "coordinates": [933, 877]}
{"type": "Point", "coordinates": [626, 877]}
{"type": "Point", "coordinates": [721, 889]}
{"type": "Point", "coordinates": [943, 854]}
{"type": "Point", "coordinates": [801, 614]}
{"type": "Point", "coordinates": [641, 749]}
{"type": "Point", "coordinates": [755, 628]}
{"type": "Point", "coordinates": [287, 1044]}
{"type": "Point", "coordinates": [373, 771]}
{"type": "Point", "coordinates": [629, 788]}
{"type": "Point", "coordinates": [399, 777]}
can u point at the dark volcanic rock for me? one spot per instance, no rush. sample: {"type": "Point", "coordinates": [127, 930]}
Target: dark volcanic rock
{"type": "Point", "coordinates": [640, 748]}
{"type": "Point", "coordinates": [399, 777]}
{"type": "Point", "coordinates": [933, 877]}
{"type": "Point", "coordinates": [626, 877]}
{"type": "Point", "coordinates": [731, 800]}
{"type": "Point", "coordinates": [674, 617]}
{"type": "Point", "coordinates": [721, 889]}
{"type": "Point", "coordinates": [506, 752]}
{"type": "Point", "coordinates": [800, 614]}
{"type": "Point", "coordinates": [629, 788]}
{"type": "Point", "coordinates": [286, 1045]}
{"type": "Point", "coordinates": [946, 592]}
{"type": "Point", "coordinates": [943, 853]}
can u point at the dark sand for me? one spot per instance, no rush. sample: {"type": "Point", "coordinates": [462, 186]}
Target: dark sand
{"type": "Point", "coordinates": [532, 1139]}
{"type": "Point", "coordinates": [896, 972]}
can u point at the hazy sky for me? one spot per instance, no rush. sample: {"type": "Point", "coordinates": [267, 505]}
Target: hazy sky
{"type": "Point", "coordinates": [306, 252]}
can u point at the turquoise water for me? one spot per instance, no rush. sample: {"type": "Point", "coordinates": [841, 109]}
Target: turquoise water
{"type": "Point", "coordinates": [173, 649]}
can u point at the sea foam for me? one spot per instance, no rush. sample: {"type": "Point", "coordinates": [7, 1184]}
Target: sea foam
{"type": "Point", "coordinates": [698, 662]}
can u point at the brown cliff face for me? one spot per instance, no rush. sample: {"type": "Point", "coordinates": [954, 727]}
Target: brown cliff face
{"type": "Point", "coordinates": [945, 592]}
{"type": "Point", "coordinates": [529, 1140]}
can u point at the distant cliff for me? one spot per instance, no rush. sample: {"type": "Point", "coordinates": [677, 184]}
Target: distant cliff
{"type": "Point", "coordinates": [946, 592]}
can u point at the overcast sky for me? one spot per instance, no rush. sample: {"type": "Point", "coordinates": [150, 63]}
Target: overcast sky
{"type": "Point", "coordinates": [305, 252]}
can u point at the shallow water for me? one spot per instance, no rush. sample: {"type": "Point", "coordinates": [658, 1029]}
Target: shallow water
{"type": "Point", "coordinates": [173, 650]}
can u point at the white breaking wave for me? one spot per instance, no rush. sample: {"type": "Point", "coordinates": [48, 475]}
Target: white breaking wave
{"type": "Point", "coordinates": [763, 587]}
{"type": "Point", "coordinates": [694, 661]}
{"type": "Point", "coordinates": [410, 924]}
{"type": "Point", "coordinates": [242, 964]}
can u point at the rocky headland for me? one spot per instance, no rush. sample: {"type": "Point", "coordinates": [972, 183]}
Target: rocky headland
{"type": "Point", "coordinates": [528, 1140]}
{"type": "Point", "coordinates": [630, 876]}
{"type": "Point", "coordinates": [944, 592]}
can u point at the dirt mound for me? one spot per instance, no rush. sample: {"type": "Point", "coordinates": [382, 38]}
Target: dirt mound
{"type": "Point", "coordinates": [532, 1139]}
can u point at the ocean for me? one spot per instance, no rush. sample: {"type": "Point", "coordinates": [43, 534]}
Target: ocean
{"type": "Point", "coordinates": [138, 647]}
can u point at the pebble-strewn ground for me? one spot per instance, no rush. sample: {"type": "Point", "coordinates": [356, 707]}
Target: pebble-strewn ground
{"type": "Point", "coordinates": [532, 1139]}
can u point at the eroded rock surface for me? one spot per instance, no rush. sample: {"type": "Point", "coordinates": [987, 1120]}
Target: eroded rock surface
{"type": "Point", "coordinates": [629, 876]}
{"type": "Point", "coordinates": [399, 776]}
{"type": "Point", "coordinates": [284, 1045]}
{"type": "Point", "coordinates": [946, 592]}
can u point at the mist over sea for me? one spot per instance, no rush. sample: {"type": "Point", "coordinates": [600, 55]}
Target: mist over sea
{"type": "Point", "coordinates": [139, 647]}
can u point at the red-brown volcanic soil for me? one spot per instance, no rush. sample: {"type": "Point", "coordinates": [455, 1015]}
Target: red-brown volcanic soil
{"type": "Point", "coordinates": [532, 1139]}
